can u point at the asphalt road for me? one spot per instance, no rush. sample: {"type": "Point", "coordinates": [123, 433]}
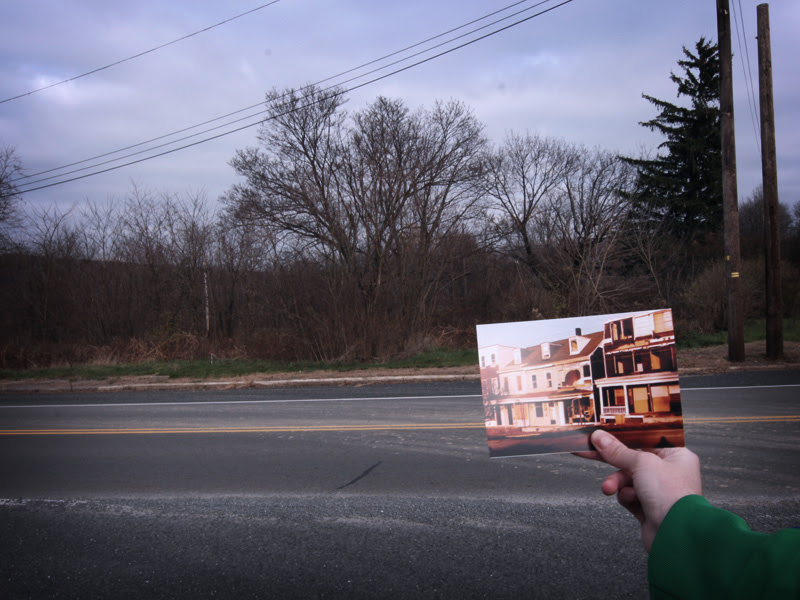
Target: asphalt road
{"type": "Point", "coordinates": [374, 491]}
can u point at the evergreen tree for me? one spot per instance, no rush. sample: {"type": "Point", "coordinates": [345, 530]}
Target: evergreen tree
{"type": "Point", "coordinates": [682, 185]}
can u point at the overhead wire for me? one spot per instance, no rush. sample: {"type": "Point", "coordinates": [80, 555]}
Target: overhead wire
{"type": "Point", "coordinates": [338, 92]}
{"type": "Point", "coordinates": [336, 87]}
{"type": "Point", "coordinates": [748, 74]}
{"type": "Point", "coordinates": [260, 104]}
{"type": "Point", "coordinates": [139, 55]}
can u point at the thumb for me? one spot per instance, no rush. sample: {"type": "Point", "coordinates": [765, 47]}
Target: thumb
{"type": "Point", "coordinates": [613, 451]}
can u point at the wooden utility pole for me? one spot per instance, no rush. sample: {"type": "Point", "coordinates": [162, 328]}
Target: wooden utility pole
{"type": "Point", "coordinates": [208, 312]}
{"type": "Point", "coordinates": [730, 196]}
{"type": "Point", "coordinates": [769, 174]}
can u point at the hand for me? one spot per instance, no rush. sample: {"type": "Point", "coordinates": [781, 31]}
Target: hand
{"type": "Point", "coordinates": [649, 482]}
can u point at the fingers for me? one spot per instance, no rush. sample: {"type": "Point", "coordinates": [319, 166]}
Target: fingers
{"type": "Point", "coordinates": [628, 499]}
{"type": "Point", "coordinates": [616, 482]}
{"type": "Point", "coordinates": [666, 453]}
{"type": "Point", "coordinates": [591, 455]}
{"type": "Point", "coordinates": [613, 451]}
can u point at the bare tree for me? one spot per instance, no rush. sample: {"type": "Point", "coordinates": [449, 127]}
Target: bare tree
{"type": "Point", "coordinates": [793, 239]}
{"type": "Point", "coordinates": [55, 243]}
{"type": "Point", "coordinates": [190, 226]}
{"type": "Point", "coordinates": [751, 224]}
{"type": "Point", "coordinates": [293, 188]}
{"type": "Point", "coordinates": [413, 181]}
{"type": "Point", "coordinates": [292, 181]}
{"type": "Point", "coordinates": [523, 176]}
{"type": "Point", "coordinates": [106, 300]}
{"type": "Point", "coordinates": [145, 245]}
{"type": "Point", "coordinates": [242, 254]}
{"type": "Point", "coordinates": [366, 196]}
{"type": "Point", "coordinates": [590, 218]}
{"type": "Point", "coordinates": [10, 170]}
{"type": "Point", "coordinates": [649, 240]}
{"type": "Point", "coordinates": [100, 230]}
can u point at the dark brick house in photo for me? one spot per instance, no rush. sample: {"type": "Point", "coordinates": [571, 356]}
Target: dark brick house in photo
{"type": "Point", "coordinates": [636, 376]}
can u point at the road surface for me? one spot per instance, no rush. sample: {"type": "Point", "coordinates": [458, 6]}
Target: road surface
{"type": "Point", "coordinates": [374, 491]}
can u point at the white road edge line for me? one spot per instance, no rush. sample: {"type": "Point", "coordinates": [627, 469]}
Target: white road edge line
{"type": "Point", "coordinates": [299, 400]}
{"type": "Point", "coordinates": [741, 387]}
{"type": "Point", "coordinates": [279, 401]}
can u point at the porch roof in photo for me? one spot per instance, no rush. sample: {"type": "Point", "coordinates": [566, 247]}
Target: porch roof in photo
{"type": "Point", "coordinates": [648, 342]}
{"type": "Point", "coordinates": [570, 393]}
{"type": "Point", "coordinates": [652, 378]}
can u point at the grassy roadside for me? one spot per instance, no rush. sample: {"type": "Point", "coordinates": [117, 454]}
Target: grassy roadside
{"type": "Point", "coordinates": [225, 368]}
{"type": "Point", "coordinates": [222, 368]}
{"type": "Point", "coordinates": [753, 331]}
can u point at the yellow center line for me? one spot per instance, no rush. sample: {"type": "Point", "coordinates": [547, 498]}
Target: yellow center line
{"type": "Point", "coordinates": [770, 419]}
{"type": "Point", "coordinates": [285, 429]}
{"type": "Point", "coordinates": [344, 428]}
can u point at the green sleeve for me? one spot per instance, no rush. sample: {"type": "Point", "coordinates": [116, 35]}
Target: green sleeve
{"type": "Point", "coordinates": [701, 551]}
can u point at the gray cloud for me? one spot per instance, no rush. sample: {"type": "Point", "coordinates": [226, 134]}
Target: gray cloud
{"type": "Point", "coordinates": [577, 72]}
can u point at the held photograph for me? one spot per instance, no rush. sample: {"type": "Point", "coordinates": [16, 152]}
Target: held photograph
{"type": "Point", "coordinates": [547, 385]}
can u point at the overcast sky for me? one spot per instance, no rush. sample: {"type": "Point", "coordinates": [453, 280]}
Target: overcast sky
{"type": "Point", "coordinates": [576, 72]}
{"type": "Point", "coordinates": [524, 334]}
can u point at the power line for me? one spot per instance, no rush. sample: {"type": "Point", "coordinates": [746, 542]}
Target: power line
{"type": "Point", "coordinates": [435, 37]}
{"type": "Point", "coordinates": [263, 110]}
{"type": "Point", "coordinates": [259, 104]}
{"type": "Point", "coordinates": [338, 92]}
{"type": "Point", "coordinates": [746, 70]}
{"type": "Point", "coordinates": [140, 54]}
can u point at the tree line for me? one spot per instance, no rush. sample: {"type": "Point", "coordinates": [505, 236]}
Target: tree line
{"type": "Point", "coordinates": [360, 235]}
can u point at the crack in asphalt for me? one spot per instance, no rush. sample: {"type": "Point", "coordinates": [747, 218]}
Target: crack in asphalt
{"type": "Point", "coordinates": [364, 474]}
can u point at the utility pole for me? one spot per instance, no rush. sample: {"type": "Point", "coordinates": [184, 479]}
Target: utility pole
{"type": "Point", "coordinates": [730, 196]}
{"type": "Point", "coordinates": [208, 312]}
{"type": "Point", "coordinates": [769, 174]}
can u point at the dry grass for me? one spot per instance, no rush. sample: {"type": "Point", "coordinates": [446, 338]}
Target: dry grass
{"type": "Point", "coordinates": [692, 361]}
{"type": "Point", "coordinates": [714, 359]}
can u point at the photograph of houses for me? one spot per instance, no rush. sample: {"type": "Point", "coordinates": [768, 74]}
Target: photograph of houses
{"type": "Point", "coordinates": [547, 385]}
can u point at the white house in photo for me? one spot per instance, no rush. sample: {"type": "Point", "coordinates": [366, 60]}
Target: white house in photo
{"type": "Point", "coordinates": [491, 358]}
{"type": "Point", "coordinates": [542, 385]}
